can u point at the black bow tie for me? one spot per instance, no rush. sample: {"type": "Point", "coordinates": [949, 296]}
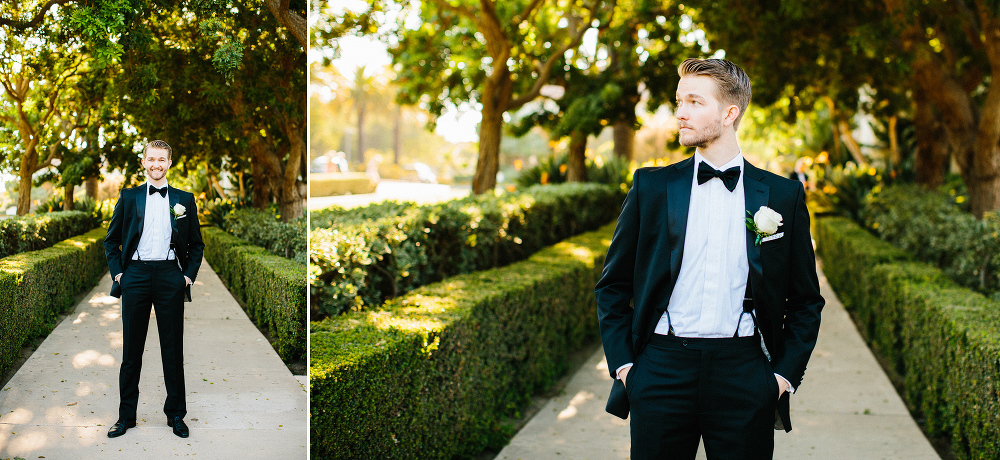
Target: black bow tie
{"type": "Point", "coordinates": [163, 191]}
{"type": "Point", "coordinates": [730, 177]}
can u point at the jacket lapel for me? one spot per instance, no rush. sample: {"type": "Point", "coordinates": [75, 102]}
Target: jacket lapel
{"type": "Point", "coordinates": [755, 195]}
{"type": "Point", "coordinates": [679, 197]}
{"type": "Point", "coordinates": [174, 197]}
{"type": "Point", "coordinates": [140, 205]}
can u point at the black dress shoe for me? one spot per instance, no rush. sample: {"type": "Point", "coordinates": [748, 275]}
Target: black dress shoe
{"type": "Point", "coordinates": [120, 427]}
{"type": "Point", "coordinates": [177, 423]}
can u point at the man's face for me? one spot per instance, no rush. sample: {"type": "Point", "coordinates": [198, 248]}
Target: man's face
{"type": "Point", "coordinates": [156, 163]}
{"type": "Point", "coordinates": [699, 111]}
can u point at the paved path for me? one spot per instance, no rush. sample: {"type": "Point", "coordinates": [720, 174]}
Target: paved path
{"type": "Point", "coordinates": [845, 409]}
{"type": "Point", "coordinates": [242, 400]}
{"type": "Point", "coordinates": [392, 190]}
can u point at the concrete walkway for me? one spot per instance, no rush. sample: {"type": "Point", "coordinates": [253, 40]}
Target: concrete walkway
{"type": "Point", "coordinates": [242, 400]}
{"type": "Point", "coordinates": [846, 408]}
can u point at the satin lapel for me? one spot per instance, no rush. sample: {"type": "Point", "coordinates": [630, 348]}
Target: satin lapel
{"type": "Point", "coordinates": [755, 195]}
{"type": "Point", "coordinates": [140, 205]}
{"type": "Point", "coordinates": [173, 196]}
{"type": "Point", "coordinates": [678, 203]}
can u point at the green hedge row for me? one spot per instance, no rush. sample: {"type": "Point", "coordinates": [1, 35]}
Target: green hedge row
{"type": "Point", "coordinates": [272, 288]}
{"type": "Point", "coordinates": [941, 339]}
{"type": "Point", "coordinates": [932, 227]}
{"type": "Point", "coordinates": [34, 232]}
{"type": "Point", "coordinates": [38, 286]}
{"type": "Point", "coordinates": [361, 257]}
{"type": "Point", "coordinates": [434, 374]}
{"type": "Point", "coordinates": [265, 229]}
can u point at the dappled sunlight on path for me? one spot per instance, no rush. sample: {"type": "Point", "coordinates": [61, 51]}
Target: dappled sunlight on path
{"type": "Point", "coordinates": [242, 400]}
{"type": "Point", "coordinates": [845, 408]}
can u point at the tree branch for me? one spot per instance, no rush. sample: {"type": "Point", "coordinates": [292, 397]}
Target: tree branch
{"type": "Point", "coordinates": [467, 12]}
{"type": "Point", "coordinates": [34, 22]}
{"type": "Point", "coordinates": [295, 23]}
{"type": "Point", "coordinates": [546, 70]}
{"type": "Point", "coordinates": [528, 10]}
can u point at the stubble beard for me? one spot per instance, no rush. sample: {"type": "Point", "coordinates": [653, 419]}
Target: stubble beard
{"type": "Point", "coordinates": [156, 174]}
{"type": "Point", "coordinates": [701, 140]}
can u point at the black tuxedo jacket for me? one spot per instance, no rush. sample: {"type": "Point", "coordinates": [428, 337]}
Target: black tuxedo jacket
{"type": "Point", "coordinates": [126, 228]}
{"type": "Point", "coordinates": [644, 259]}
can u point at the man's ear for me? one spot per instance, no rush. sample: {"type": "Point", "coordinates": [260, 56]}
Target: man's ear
{"type": "Point", "coordinates": [732, 113]}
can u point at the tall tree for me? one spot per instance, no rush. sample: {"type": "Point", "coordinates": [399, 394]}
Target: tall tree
{"type": "Point", "coordinates": [954, 50]}
{"type": "Point", "coordinates": [38, 72]}
{"type": "Point", "coordinates": [498, 54]}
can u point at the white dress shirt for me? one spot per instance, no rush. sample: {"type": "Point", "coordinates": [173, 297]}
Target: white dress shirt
{"type": "Point", "coordinates": [707, 300]}
{"type": "Point", "coordinates": [154, 243]}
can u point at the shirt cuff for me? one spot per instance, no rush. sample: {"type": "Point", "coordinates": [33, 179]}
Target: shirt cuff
{"type": "Point", "coordinates": [619, 371]}
{"type": "Point", "coordinates": [791, 389]}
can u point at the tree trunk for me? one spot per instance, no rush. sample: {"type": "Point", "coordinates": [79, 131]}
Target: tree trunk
{"type": "Point", "coordinates": [931, 162]}
{"type": "Point", "coordinates": [496, 95]}
{"type": "Point", "coordinates": [893, 142]}
{"type": "Point", "coordinates": [291, 204]}
{"type": "Point", "coordinates": [24, 188]}
{"type": "Point", "coordinates": [577, 162]}
{"type": "Point", "coordinates": [834, 131]}
{"type": "Point", "coordinates": [359, 156]}
{"type": "Point", "coordinates": [91, 185]}
{"type": "Point", "coordinates": [624, 135]}
{"type": "Point", "coordinates": [68, 197]}
{"type": "Point", "coordinates": [397, 135]}
{"type": "Point", "coordinates": [852, 145]}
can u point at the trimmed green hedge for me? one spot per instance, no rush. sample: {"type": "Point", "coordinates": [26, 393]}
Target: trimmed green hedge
{"type": "Point", "coordinates": [941, 339]}
{"type": "Point", "coordinates": [932, 227]}
{"type": "Point", "coordinates": [272, 288]}
{"type": "Point", "coordinates": [34, 232]}
{"type": "Point", "coordinates": [361, 257]}
{"type": "Point", "coordinates": [38, 286]}
{"type": "Point", "coordinates": [265, 229]}
{"type": "Point", "coordinates": [435, 373]}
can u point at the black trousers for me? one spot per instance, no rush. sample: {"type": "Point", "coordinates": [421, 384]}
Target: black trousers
{"type": "Point", "coordinates": [160, 285]}
{"type": "Point", "coordinates": [684, 389]}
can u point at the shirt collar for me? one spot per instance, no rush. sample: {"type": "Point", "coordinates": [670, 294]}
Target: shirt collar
{"type": "Point", "coordinates": [736, 161]}
{"type": "Point", "coordinates": [148, 185]}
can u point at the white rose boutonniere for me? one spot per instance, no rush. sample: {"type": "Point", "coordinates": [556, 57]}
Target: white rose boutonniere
{"type": "Point", "coordinates": [764, 223]}
{"type": "Point", "coordinates": [178, 211]}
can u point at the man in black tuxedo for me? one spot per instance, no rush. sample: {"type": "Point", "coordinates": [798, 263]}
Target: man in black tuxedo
{"type": "Point", "coordinates": [154, 250]}
{"type": "Point", "coordinates": [708, 316]}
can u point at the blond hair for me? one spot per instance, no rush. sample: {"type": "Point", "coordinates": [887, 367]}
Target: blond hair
{"type": "Point", "coordinates": [732, 82]}
{"type": "Point", "coordinates": [158, 144]}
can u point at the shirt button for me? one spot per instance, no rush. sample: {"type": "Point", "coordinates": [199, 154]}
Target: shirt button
{"type": "Point", "coordinates": [685, 343]}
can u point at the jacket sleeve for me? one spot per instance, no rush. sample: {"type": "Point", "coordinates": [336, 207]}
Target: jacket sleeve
{"type": "Point", "coordinates": [800, 326]}
{"type": "Point", "coordinates": [614, 289]}
{"type": "Point", "coordinates": [196, 247]}
{"type": "Point", "coordinates": [113, 240]}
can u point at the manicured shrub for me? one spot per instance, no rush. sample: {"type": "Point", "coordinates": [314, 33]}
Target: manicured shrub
{"type": "Point", "coordinates": [271, 288]}
{"type": "Point", "coordinates": [434, 373]}
{"type": "Point", "coordinates": [939, 338]}
{"type": "Point", "coordinates": [932, 227]}
{"type": "Point", "coordinates": [265, 229]}
{"type": "Point", "coordinates": [328, 184]}
{"type": "Point", "coordinates": [361, 257]}
{"type": "Point", "coordinates": [39, 231]}
{"type": "Point", "coordinates": [38, 286]}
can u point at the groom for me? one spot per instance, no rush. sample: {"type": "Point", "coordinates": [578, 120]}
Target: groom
{"type": "Point", "coordinates": [707, 316]}
{"type": "Point", "coordinates": [154, 251]}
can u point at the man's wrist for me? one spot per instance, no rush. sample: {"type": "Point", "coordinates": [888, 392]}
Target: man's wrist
{"type": "Point", "coordinates": [618, 373]}
{"type": "Point", "coordinates": [790, 388]}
